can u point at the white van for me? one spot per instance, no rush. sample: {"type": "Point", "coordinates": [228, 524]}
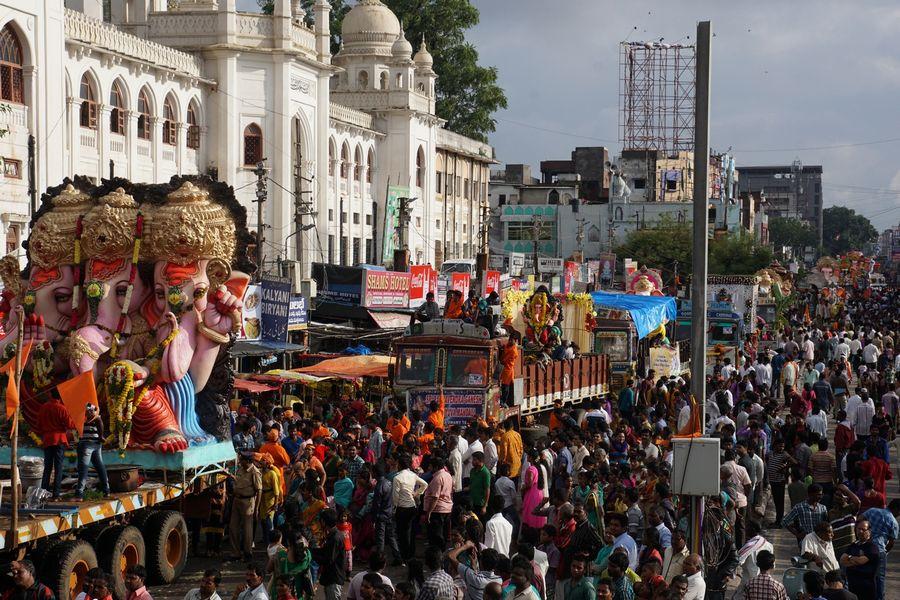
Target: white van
{"type": "Point", "coordinates": [458, 265]}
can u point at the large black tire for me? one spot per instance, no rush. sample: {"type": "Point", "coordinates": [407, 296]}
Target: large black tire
{"type": "Point", "coordinates": [66, 566]}
{"type": "Point", "coordinates": [166, 537]}
{"type": "Point", "coordinates": [118, 548]}
{"type": "Point", "coordinates": [532, 434]}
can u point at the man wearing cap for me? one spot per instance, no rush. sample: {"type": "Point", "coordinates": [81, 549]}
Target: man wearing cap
{"type": "Point", "coordinates": [247, 487]}
{"type": "Point", "coordinates": [90, 450]}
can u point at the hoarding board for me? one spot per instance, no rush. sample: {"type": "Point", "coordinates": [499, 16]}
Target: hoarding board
{"type": "Point", "coordinates": [275, 306]}
{"type": "Point", "coordinates": [386, 289]}
{"type": "Point", "coordinates": [460, 405]}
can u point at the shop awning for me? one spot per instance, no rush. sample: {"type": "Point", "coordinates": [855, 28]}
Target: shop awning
{"type": "Point", "coordinates": [350, 367]}
{"type": "Point", "coordinates": [254, 387]}
{"type": "Point", "coordinates": [647, 312]}
{"type": "Point", "coordinates": [389, 320]}
{"type": "Point", "coordinates": [264, 347]}
{"type": "Point", "coordinates": [294, 376]}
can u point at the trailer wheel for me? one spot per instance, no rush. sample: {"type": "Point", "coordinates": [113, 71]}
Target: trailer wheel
{"type": "Point", "coordinates": [534, 433]}
{"type": "Point", "coordinates": [67, 566]}
{"type": "Point", "coordinates": [119, 548]}
{"type": "Point", "coordinates": [167, 546]}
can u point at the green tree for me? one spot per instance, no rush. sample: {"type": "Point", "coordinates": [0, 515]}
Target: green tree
{"type": "Point", "coordinates": [843, 230]}
{"type": "Point", "coordinates": [4, 108]}
{"type": "Point", "coordinates": [794, 233]}
{"type": "Point", "coordinates": [737, 255]}
{"type": "Point", "coordinates": [338, 10]}
{"type": "Point", "coordinates": [660, 247]}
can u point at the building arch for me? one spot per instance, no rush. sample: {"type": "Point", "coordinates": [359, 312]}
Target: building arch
{"type": "Point", "coordinates": [253, 144]}
{"type": "Point", "coordinates": [370, 165]}
{"type": "Point", "coordinates": [145, 113]}
{"type": "Point", "coordinates": [553, 197]}
{"type": "Point", "coordinates": [170, 120]}
{"type": "Point", "coordinates": [345, 160]}
{"type": "Point", "coordinates": [384, 80]}
{"type": "Point", "coordinates": [420, 167]}
{"type": "Point", "coordinates": [358, 164]}
{"type": "Point", "coordinates": [194, 121]}
{"type": "Point", "coordinates": [362, 80]}
{"type": "Point", "coordinates": [12, 65]}
{"type": "Point", "coordinates": [332, 155]}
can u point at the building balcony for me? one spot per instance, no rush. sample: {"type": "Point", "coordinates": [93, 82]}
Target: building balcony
{"type": "Point", "coordinates": [88, 138]}
{"type": "Point", "coordinates": [15, 118]}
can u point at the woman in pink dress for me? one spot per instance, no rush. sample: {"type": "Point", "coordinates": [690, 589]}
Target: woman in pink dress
{"type": "Point", "coordinates": [532, 497]}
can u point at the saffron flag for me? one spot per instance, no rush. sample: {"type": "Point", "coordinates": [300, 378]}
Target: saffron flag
{"type": "Point", "coordinates": [12, 390]}
{"type": "Point", "coordinates": [692, 428]}
{"type": "Point", "coordinates": [76, 393]}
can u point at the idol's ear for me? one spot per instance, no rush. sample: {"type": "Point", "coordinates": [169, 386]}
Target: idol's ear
{"type": "Point", "coordinates": [237, 283]}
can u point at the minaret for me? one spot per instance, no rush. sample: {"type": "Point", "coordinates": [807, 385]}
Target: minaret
{"type": "Point", "coordinates": [322, 11]}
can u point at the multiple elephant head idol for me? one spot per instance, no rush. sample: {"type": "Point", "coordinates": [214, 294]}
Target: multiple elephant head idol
{"type": "Point", "coordinates": [140, 285]}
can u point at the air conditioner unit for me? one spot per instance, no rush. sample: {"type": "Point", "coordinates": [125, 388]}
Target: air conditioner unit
{"type": "Point", "coordinates": [291, 269]}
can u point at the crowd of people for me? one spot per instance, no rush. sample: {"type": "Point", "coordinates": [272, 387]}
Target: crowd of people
{"type": "Point", "coordinates": [587, 510]}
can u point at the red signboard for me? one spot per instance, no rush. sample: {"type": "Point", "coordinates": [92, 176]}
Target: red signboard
{"type": "Point", "coordinates": [460, 282]}
{"type": "Point", "coordinates": [491, 282]}
{"type": "Point", "coordinates": [423, 280]}
{"type": "Point", "coordinates": [386, 289]}
{"type": "Point", "coordinates": [570, 274]}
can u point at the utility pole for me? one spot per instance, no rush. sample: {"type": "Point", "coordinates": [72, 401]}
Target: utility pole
{"type": "Point", "coordinates": [401, 253]}
{"type": "Point", "coordinates": [302, 208]}
{"type": "Point", "coordinates": [698, 277]}
{"type": "Point", "coordinates": [535, 235]}
{"type": "Point", "coordinates": [483, 259]}
{"type": "Point", "coordinates": [261, 195]}
{"type": "Point", "coordinates": [579, 239]}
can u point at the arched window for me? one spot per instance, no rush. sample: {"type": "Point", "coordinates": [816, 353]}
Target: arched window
{"type": "Point", "coordinates": [371, 165]}
{"type": "Point", "coordinates": [117, 114]}
{"type": "Point", "coordinates": [331, 157]}
{"type": "Point", "coordinates": [193, 133]}
{"type": "Point", "coordinates": [420, 167]}
{"type": "Point", "coordinates": [358, 167]}
{"type": "Point", "coordinates": [362, 80]}
{"type": "Point", "coordinates": [88, 117]}
{"type": "Point", "coordinates": [12, 83]}
{"type": "Point", "coordinates": [399, 81]}
{"type": "Point", "coordinates": [143, 108]}
{"type": "Point", "coordinates": [253, 143]}
{"type": "Point", "coordinates": [553, 198]}
{"type": "Point", "coordinates": [384, 80]}
{"type": "Point", "coordinates": [170, 131]}
{"type": "Point", "coordinates": [618, 213]}
{"type": "Point", "coordinates": [345, 161]}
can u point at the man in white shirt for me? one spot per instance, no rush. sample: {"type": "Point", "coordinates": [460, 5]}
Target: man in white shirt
{"type": "Point", "coordinates": [817, 421]}
{"type": "Point", "coordinates": [684, 416]}
{"type": "Point", "coordinates": [746, 557]}
{"type": "Point", "coordinates": [489, 448]}
{"type": "Point", "coordinates": [674, 557]}
{"type": "Point", "coordinates": [763, 371]}
{"type": "Point", "coordinates": [454, 462]}
{"type": "Point", "coordinates": [498, 531]}
{"type": "Point", "coordinates": [817, 546]}
{"type": "Point", "coordinates": [843, 350]}
{"type": "Point", "coordinates": [377, 562]}
{"type": "Point", "coordinates": [809, 349]}
{"type": "Point", "coordinates": [861, 415]}
{"type": "Point", "coordinates": [691, 567]}
{"type": "Point", "coordinates": [727, 369]}
{"type": "Point", "coordinates": [855, 345]}
{"type": "Point", "coordinates": [406, 489]}
{"type": "Point", "coordinates": [870, 355]}
{"type": "Point", "coordinates": [579, 453]}
{"type": "Point", "coordinates": [209, 585]}
{"type": "Point", "coordinates": [474, 446]}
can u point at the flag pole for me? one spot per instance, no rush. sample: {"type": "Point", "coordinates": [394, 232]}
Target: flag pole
{"type": "Point", "coordinates": [14, 429]}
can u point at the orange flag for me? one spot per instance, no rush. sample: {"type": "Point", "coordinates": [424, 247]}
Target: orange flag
{"type": "Point", "coordinates": [76, 393]}
{"type": "Point", "coordinates": [692, 429]}
{"type": "Point", "coordinates": [12, 390]}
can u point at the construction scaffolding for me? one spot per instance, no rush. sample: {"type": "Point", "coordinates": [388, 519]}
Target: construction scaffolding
{"type": "Point", "coordinates": [656, 96]}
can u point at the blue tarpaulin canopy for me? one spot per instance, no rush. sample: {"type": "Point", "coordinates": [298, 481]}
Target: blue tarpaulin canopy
{"type": "Point", "coordinates": [647, 312]}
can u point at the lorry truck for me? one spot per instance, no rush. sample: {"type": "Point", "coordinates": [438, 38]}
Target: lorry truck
{"type": "Point", "coordinates": [461, 362]}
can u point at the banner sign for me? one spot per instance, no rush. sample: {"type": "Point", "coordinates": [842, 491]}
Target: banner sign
{"type": "Point", "coordinates": [516, 263]}
{"type": "Point", "coordinates": [607, 268]}
{"type": "Point", "coordinates": [338, 284]}
{"type": "Point", "coordinates": [571, 274]}
{"type": "Point", "coordinates": [275, 305]}
{"type": "Point", "coordinates": [386, 289]}
{"type": "Point", "coordinates": [421, 280]}
{"type": "Point", "coordinates": [665, 361]}
{"type": "Point", "coordinates": [491, 282]}
{"type": "Point", "coordinates": [298, 313]}
{"type": "Point", "coordinates": [550, 265]}
{"type": "Point", "coordinates": [460, 406]}
{"type": "Point", "coordinates": [391, 218]}
{"type": "Point", "coordinates": [460, 282]}
{"type": "Point", "coordinates": [251, 327]}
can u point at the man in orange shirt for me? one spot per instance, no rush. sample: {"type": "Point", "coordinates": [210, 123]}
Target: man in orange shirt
{"type": "Point", "coordinates": [508, 358]}
{"type": "Point", "coordinates": [279, 456]}
{"type": "Point", "coordinates": [510, 448]}
{"type": "Point", "coordinates": [398, 427]}
{"type": "Point", "coordinates": [436, 413]}
{"type": "Point", "coordinates": [54, 425]}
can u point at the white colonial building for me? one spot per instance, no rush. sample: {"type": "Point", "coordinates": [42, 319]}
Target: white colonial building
{"type": "Point", "coordinates": [157, 88]}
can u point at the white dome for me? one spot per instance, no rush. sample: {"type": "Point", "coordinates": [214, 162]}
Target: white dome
{"type": "Point", "coordinates": [402, 49]}
{"type": "Point", "coordinates": [370, 25]}
{"type": "Point", "coordinates": [423, 57]}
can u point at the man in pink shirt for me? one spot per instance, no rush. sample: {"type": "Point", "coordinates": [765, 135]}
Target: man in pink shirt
{"type": "Point", "coordinates": [134, 583]}
{"type": "Point", "coordinates": [438, 503]}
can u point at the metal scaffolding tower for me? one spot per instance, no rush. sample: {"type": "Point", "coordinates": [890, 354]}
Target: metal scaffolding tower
{"type": "Point", "coordinates": [656, 96]}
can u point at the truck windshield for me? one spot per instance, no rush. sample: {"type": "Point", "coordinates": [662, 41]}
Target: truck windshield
{"type": "Point", "coordinates": [416, 366]}
{"type": "Point", "coordinates": [467, 368]}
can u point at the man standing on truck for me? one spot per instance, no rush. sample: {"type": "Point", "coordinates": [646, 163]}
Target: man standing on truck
{"type": "Point", "coordinates": [509, 356]}
{"type": "Point", "coordinates": [247, 486]}
{"type": "Point", "coordinates": [54, 425]}
{"type": "Point", "coordinates": [90, 450]}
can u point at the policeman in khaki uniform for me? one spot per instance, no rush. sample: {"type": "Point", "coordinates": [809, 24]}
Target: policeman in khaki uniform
{"type": "Point", "coordinates": [247, 487]}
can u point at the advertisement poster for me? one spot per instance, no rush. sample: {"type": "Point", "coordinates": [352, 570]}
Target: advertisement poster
{"type": "Point", "coordinates": [516, 263]}
{"type": "Point", "coordinates": [460, 282]}
{"type": "Point", "coordinates": [606, 271]}
{"type": "Point", "coordinates": [251, 327]}
{"type": "Point", "coordinates": [491, 282]}
{"type": "Point", "coordinates": [550, 265]}
{"type": "Point", "coordinates": [338, 284]}
{"type": "Point", "coordinates": [460, 406]}
{"type": "Point", "coordinates": [630, 267]}
{"type": "Point", "coordinates": [419, 284]}
{"type": "Point", "coordinates": [275, 302]}
{"type": "Point", "coordinates": [570, 276]}
{"type": "Point", "coordinates": [391, 217]}
{"type": "Point", "coordinates": [665, 361]}
{"type": "Point", "coordinates": [386, 289]}
{"type": "Point", "coordinates": [298, 313]}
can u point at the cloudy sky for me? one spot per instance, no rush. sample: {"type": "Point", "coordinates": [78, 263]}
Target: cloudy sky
{"type": "Point", "coordinates": [818, 81]}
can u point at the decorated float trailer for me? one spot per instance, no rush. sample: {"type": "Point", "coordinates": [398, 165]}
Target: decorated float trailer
{"type": "Point", "coordinates": [130, 300]}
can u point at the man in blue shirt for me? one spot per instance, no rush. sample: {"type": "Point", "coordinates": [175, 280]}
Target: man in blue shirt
{"type": "Point", "coordinates": [626, 400]}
